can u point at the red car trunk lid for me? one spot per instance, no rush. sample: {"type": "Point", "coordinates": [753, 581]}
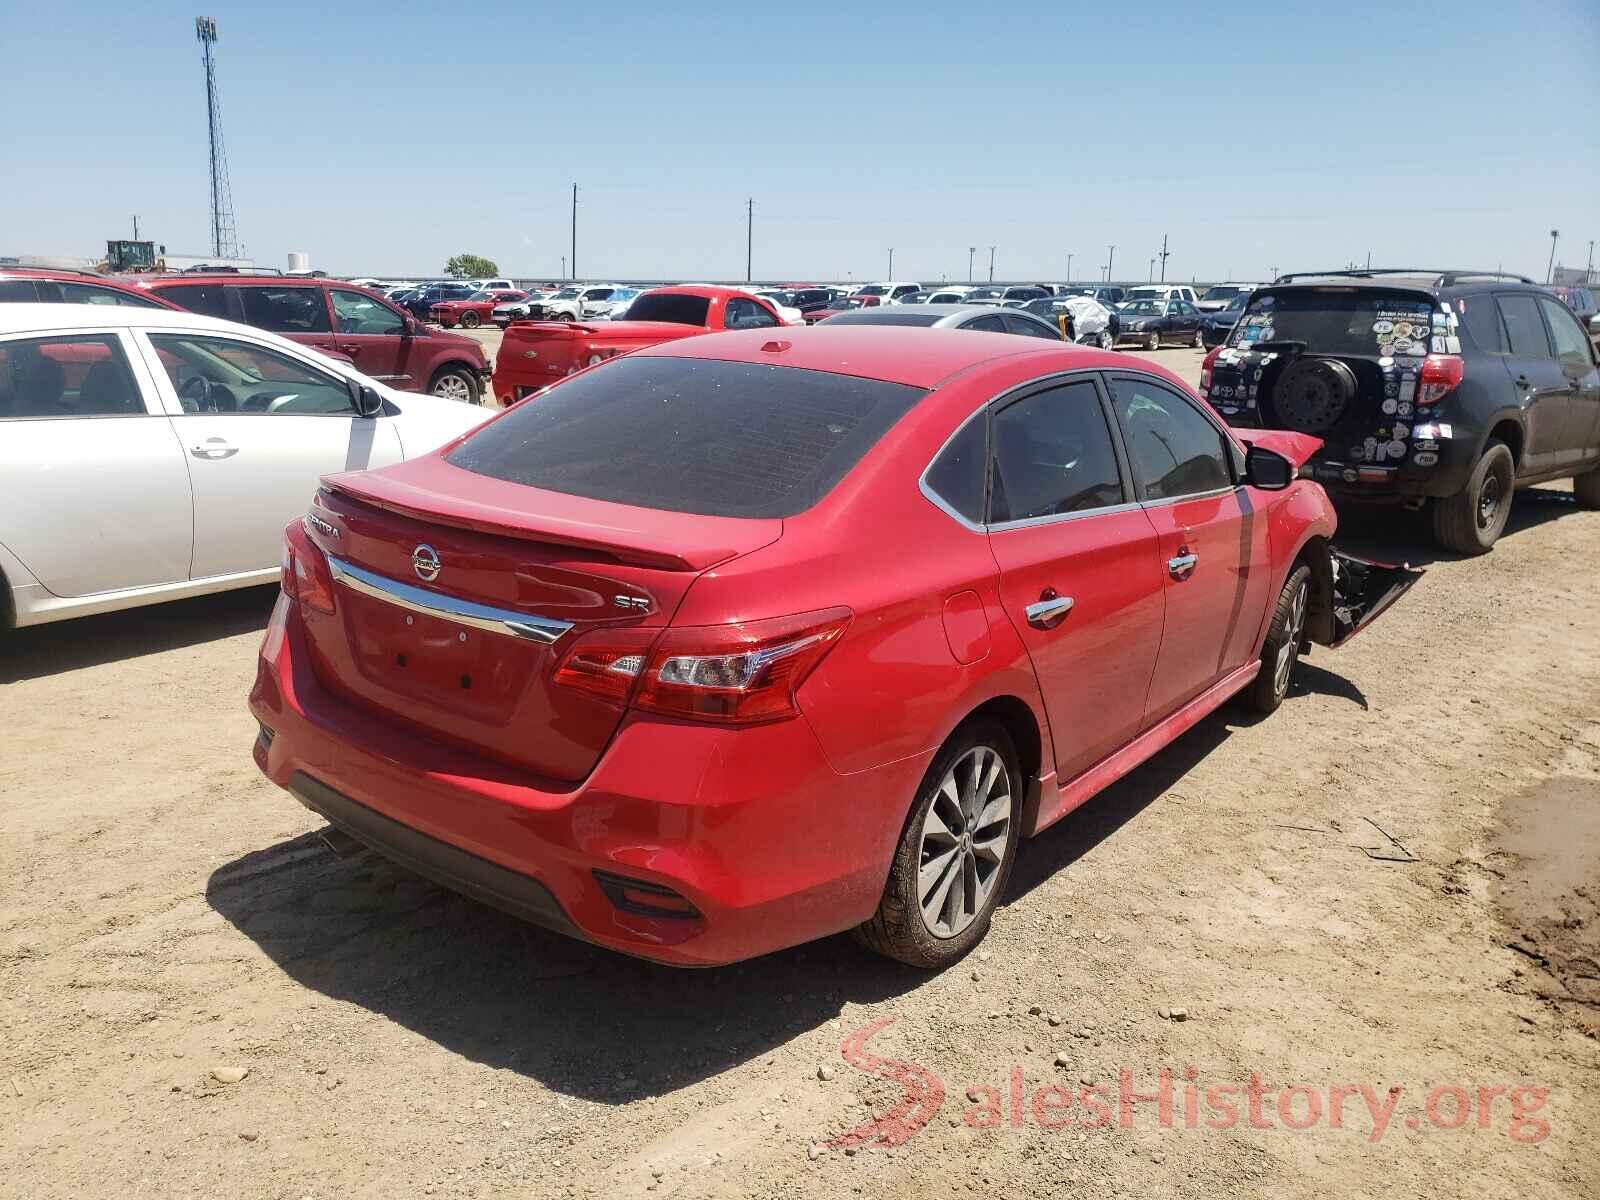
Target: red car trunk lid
{"type": "Point", "coordinates": [466, 650]}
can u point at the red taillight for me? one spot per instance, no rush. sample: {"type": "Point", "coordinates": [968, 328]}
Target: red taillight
{"type": "Point", "coordinates": [303, 570]}
{"type": "Point", "coordinates": [738, 674]}
{"type": "Point", "coordinates": [1441, 373]}
{"type": "Point", "coordinates": [1205, 369]}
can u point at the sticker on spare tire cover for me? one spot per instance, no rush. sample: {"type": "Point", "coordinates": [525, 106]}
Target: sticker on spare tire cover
{"type": "Point", "coordinates": [1235, 379]}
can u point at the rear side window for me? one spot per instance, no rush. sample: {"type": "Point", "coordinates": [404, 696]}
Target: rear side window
{"type": "Point", "coordinates": [1026, 328]}
{"type": "Point", "coordinates": [206, 298]}
{"type": "Point", "coordinates": [957, 475]}
{"type": "Point", "coordinates": [1053, 455]}
{"type": "Point", "coordinates": [1482, 319]}
{"type": "Point", "coordinates": [88, 293]}
{"type": "Point", "coordinates": [19, 290]}
{"type": "Point", "coordinates": [285, 309]}
{"type": "Point", "coordinates": [673, 308]}
{"type": "Point", "coordinates": [1524, 327]}
{"type": "Point", "coordinates": [83, 375]}
{"type": "Point", "coordinates": [723, 439]}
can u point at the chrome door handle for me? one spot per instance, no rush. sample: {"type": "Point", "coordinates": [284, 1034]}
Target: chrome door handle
{"type": "Point", "coordinates": [213, 448]}
{"type": "Point", "coordinates": [1042, 614]}
{"type": "Point", "coordinates": [1182, 565]}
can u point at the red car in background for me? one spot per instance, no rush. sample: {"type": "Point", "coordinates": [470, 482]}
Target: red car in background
{"type": "Point", "coordinates": [842, 304]}
{"type": "Point", "coordinates": [474, 310]}
{"type": "Point", "coordinates": [743, 640]}
{"type": "Point", "coordinates": [534, 354]}
{"type": "Point", "coordinates": [37, 285]}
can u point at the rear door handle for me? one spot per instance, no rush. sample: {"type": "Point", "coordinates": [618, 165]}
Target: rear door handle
{"type": "Point", "coordinates": [214, 448]}
{"type": "Point", "coordinates": [1182, 565]}
{"type": "Point", "coordinates": [1044, 614]}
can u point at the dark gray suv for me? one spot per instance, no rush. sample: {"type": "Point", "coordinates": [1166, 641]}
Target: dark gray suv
{"type": "Point", "coordinates": [1444, 389]}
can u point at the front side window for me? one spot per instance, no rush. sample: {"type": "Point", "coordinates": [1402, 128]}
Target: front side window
{"type": "Point", "coordinates": [76, 375]}
{"type": "Point", "coordinates": [1572, 344]}
{"type": "Point", "coordinates": [285, 309]}
{"type": "Point", "coordinates": [1173, 450]}
{"type": "Point", "coordinates": [1524, 326]}
{"type": "Point", "coordinates": [214, 374]}
{"type": "Point", "coordinates": [208, 299]}
{"type": "Point", "coordinates": [989, 324]}
{"type": "Point", "coordinates": [1029, 328]}
{"type": "Point", "coordinates": [690, 435]}
{"type": "Point", "coordinates": [358, 313]}
{"type": "Point", "coordinates": [1052, 454]}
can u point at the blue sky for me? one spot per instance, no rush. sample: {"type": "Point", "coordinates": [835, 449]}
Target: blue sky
{"type": "Point", "coordinates": [385, 137]}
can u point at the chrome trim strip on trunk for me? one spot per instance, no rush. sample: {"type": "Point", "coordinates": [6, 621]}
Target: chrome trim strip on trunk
{"type": "Point", "coordinates": [463, 612]}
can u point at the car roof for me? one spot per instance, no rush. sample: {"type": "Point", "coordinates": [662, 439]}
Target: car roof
{"type": "Point", "coordinates": [923, 315]}
{"type": "Point", "coordinates": [19, 318]}
{"type": "Point", "coordinates": [911, 355]}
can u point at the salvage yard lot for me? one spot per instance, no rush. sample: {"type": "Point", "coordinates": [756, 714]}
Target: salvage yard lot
{"type": "Point", "coordinates": [164, 912]}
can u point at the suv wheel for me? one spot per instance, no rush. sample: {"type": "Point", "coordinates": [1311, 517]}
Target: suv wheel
{"type": "Point", "coordinates": [1586, 488]}
{"type": "Point", "coordinates": [955, 853]}
{"type": "Point", "coordinates": [1471, 521]}
{"type": "Point", "coordinates": [1282, 648]}
{"type": "Point", "coordinates": [470, 320]}
{"type": "Point", "coordinates": [455, 383]}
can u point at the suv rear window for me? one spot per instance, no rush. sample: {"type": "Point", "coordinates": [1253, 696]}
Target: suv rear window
{"type": "Point", "coordinates": [673, 308]}
{"type": "Point", "coordinates": [1332, 321]}
{"type": "Point", "coordinates": [724, 439]}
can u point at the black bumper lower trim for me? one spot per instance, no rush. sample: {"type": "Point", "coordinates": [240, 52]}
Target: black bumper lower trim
{"type": "Point", "coordinates": [489, 883]}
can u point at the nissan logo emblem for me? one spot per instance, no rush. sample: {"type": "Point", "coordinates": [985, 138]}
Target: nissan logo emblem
{"type": "Point", "coordinates": [425, 562]}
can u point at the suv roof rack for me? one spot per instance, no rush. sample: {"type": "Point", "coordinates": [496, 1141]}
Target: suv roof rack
{"type": "Point", "coordinates": [1440, 278]}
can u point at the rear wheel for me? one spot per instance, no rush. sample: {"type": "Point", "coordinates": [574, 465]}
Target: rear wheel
{"type": "Point", "coordinates": [1199, 339]}
{"type": "Point", "coordinates": [1282, 648]}
{"type": "Point", "coordinates": [1152, 341]}
{"type": "Point", "coordinates": [470, 320]}
{"type": "Point", "coordinates": [1471, 521]}
{"type": "Point", "coordinates": [1586, 488]}
{"type": "Point", "coordinates": [955, 853]}
{"type": "Point", "coordinates": [455, 383]}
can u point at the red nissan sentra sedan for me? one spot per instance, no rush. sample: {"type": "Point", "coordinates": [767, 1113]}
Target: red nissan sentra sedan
{"type": "Point", "coordinates": [745, 639]}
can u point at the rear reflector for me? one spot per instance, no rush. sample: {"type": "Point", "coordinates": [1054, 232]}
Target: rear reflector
{"type": "Point", "coordinates": [642, 897]}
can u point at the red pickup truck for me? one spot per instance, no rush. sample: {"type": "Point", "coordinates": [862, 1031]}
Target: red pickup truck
{"type": "Point", "coordinates": [534, 354]}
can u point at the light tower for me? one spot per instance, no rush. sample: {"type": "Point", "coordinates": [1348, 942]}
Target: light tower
{"type": "Point", "coordinates": [224, 239]}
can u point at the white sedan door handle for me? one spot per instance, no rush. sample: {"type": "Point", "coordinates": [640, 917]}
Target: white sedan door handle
{"type": "Point", "coordinates": [214, 448]}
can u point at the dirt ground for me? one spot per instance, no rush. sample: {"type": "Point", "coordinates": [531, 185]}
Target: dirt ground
{"type": "Point", "coordinates": [1389, 884]}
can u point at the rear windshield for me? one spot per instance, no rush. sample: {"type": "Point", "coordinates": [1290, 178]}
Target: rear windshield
{"type": "Point", "coordinates": [1366, 322]}
{"type": "Point", "coordinates": [671, 307]}
{"type": "Point", "coordinates": [721, 439]}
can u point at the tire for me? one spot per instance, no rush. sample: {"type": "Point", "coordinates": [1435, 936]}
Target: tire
{"type": "Point", "coordinates": [1199, 342]}
{"type": "Point", "coordinates": [1471, 521]}
{"type": "Point", "coordinates": [900, 929]}
{"type": "Point", "coordinates": [1108, 340]}
{"type": "Point", "coordinates": [1152, 341]}
{"type": "Point", "coordinates": [470, 320]}
{"type": "Point", "coordinates": [1281, 650]}
{"type": "Point", "coordinates": [456, 383]}
{"type": "Point", "coordinates": [1586, 488]}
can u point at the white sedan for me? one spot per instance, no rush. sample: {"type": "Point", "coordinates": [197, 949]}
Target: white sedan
{"type": "Point", "coordinates": [147, 454]}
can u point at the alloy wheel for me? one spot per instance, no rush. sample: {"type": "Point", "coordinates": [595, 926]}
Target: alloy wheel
{"type": "Point", "coordinates": [964, 841]}
{"type": "Point", "coordinates": [453, 387]}
{"type": "Point", "coordinates": [1293, 631]}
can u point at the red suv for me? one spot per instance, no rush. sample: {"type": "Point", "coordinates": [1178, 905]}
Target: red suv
{"type": "Point", "coordinates": [383, 341]}
{"type": "Point", "coordinates": [35, 285]}
{"type": "Point", "coordinates": [744, 639]}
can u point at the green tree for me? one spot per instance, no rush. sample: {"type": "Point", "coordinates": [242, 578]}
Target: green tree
{"type": "Point", "coordinates": [471, 266]}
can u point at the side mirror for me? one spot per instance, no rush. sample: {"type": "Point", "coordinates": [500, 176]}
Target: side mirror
{"type": "Point", "coordinates": [1267, 470]}
{"type": "Point", "coordinates": [367, 401]}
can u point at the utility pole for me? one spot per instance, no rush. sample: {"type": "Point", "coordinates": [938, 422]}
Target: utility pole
{"type": "Point", "coordinates": [1369, 260]}
{"type": "Point", "coordinates": [971, 250]}
{"type": "Point", "coordinates": [563, 268]}
{"type": "Point", "coordinates": [991, 264]}
{"type": "Point", "coordinates": [1550, 270]}
{"type": "Point", "coordinates": [1588, 272]}
{"type": "Point", "coordinates": [749, 236]}
{"type": "Point", "coordinates": [1069, 264]}
{"type": "Point", "coordinates": [891, 262]}
{"type": "Point", "coordinates": [1164, 257]}
{"type": "Point", "coordinates": [1110, 258]}
{"type": "Point", "coordinates": [1272, 273]}
{"type": "Point", "coordinates": [575, 234]}
{"type": "Point", "coordinates": [136, 234]}
{"type": "Point", "coordinates": [224, 240]}
{"type": "Point", "coordinates": [1152, 278]}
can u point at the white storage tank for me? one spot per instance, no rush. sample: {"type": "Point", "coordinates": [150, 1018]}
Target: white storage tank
{"type": "Point", "coordinates": [299, 262]}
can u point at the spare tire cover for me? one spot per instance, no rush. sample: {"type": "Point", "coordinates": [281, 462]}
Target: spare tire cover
{"type": "Point", "coordinates": [1312, 394]}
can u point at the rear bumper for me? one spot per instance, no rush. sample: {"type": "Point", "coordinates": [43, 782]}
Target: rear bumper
{"type": "Point", "coordinates": [751, 827]}
{"type": "Point", "coordinates": [1439, 457]}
